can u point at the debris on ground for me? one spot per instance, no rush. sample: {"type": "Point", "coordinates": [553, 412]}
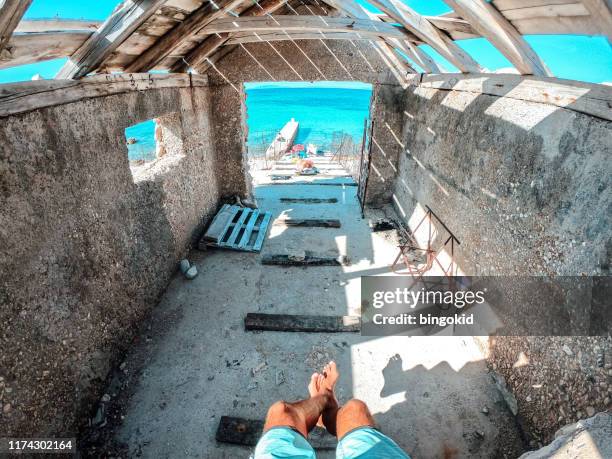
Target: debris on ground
{"type": "Point", "coordinates": [279, 377]}
{"type": "Point", "coordinates": [383, 224]}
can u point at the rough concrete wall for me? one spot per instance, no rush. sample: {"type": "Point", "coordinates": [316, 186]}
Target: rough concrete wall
{"type": "Point", "coordinates": [307, 60]}
{"type": "Point", "coordinates": [526, 189]}
{"type": "Point", "coordinates": [85, 249]}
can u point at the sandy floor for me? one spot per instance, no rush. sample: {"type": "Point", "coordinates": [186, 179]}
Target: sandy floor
{"type": "Point", "coordinates": [195, 363]}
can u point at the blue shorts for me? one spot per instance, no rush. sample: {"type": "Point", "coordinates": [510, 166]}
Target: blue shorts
{"type": "Point", "coordinates": [362, 443]}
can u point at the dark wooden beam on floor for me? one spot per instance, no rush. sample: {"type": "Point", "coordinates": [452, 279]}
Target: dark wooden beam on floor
{"type": "Point", "coordinates": [301, 323]}
{"type": "Point", "coordinates": [309, 200]}
{"type": "Point", "coordinates": [314, 183]}
{"type": "Point", "coordinates": [246, 432]}
{"type": "Point", "coordinates": [306, 260]}
{"type": "Point", "coordinates": [308, 222]}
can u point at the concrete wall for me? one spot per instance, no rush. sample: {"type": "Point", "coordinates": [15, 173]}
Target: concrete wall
{"type": "Point", "coordinates": [307, 60]}
{"type": "Point", "coordinates": [526, 189]}
{"type": "Point", "coordinates": [85, 247]}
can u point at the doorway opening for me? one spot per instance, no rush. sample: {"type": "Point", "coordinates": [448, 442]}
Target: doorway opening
{"type": "Point", "coordinates": [297, 120]}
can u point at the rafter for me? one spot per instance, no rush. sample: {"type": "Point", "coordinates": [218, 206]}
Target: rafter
{"type": "Point", "coordinates": [128, 16]}
{"type": "Point", "coordinates": [492, 25]}
{"type": "Point", "coordinates": [35, 47]}
{"type": "Point", "coordinates": [302, 24]}
{"type": "Point", "coordinates": [601, 12]}
{"type": "Point", "coordinates": [181, 33]}
{"type": "Point", "coordinates": [429, 33]}
{"type": "Point", "coordinates": [11, 12]}
{"type": "Point", "coordinates": [249, 37]}
{"type": "Point", "coordinates": [57, 25]}
{"type": "Point", "coordinates": [211, 44]}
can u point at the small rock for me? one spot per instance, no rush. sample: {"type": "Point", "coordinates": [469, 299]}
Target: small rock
{"type": "Point", "coordinates": [45, 373]}
{"type": "Point", "coordinates": [252, 386]}
{"type": "Point", "coordinates": [191, 273]}
{"type": "Point", "coordinates": [211, 377]}
{"type": "Point", "coordinates": [528, 399]}
{"type": "Point", "coordinates": [106, 398]}
{"type": "Point", "coordinates": [184, 265]}
{"type": "Point", "coordinates": [567, 350]}
{"type": "Point", "coordinates": [485, 411]}
{"type": "Point", "coordinates": [122, 366]}
{"type": "Point", "coordinates": [7, 408]}
{"type": "Point", "coordinates": [590, 411]}
{"type": "Point", "coordinates": [279, 377]}
{"type": "Point", "coordinates": [479, 433]}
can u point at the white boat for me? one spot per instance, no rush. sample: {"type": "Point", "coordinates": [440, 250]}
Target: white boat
{"type": "Point", "coordinates": [283, 141]}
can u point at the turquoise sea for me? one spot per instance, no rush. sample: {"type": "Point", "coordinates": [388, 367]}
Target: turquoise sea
{"type": "Point", "coordinates": [320, 110]}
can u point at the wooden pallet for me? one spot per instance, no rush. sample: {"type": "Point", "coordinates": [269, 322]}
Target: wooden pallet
{"type": "Point", "coordinates": [237, 228]}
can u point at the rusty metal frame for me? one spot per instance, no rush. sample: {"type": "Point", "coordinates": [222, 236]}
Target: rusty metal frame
{"type": "Point", "coordinates": [431, 254]}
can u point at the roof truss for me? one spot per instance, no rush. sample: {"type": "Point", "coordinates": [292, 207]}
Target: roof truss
{"type": "Point", "coordinates": [180, 35]}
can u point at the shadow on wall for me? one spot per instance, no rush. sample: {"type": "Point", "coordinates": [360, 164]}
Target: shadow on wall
{"type": "Point", "coordinates": [524, 186]}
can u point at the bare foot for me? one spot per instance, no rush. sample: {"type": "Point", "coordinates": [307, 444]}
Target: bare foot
{"type": "Point", "coordinates": [330, 377]}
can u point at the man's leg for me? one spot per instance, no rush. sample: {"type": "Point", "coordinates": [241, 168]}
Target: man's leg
{"type": "Point", "coordinates": [357, 437]}
{"type": "Point", "coordinates": [351, 416]}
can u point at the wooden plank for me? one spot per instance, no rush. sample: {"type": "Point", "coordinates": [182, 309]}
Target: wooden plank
{"type": "Point", "coordinates": [308, 222]}
{"type": "Point", "coordinates": [23, 97]}
{"type": "Point", "coordinates": [231, 240]}
{"type": "Point", "coordinates": [126, 18]}
{"type": "Point", "coordinates": [263, 230]}
{"type": "Point", "coordinates": [180, 34]}
{"type": "Point", "coordinates": [11, 12]}
{"type": "Point", "coordinates": [302, 323]}
{"type": "Point", "coordinates": [588, 98]}
{"type": "Point", "coordinates": [601, 13]}
{"type": "Point", "coordinates": [207, 48]}
{"type": "Point", "coordinates": [310, 200]}
{"type": "Point", "coordinates": [316, 183]}
{"type": "Point", "coordinates": [57, 25]}
{"type": "Point", "coordinates": [429, 33]}
{"type": "Point", "coordinates": [248, 229]}
{"type": "Point", "coordinates": [221, 222]}
{"type": "Point", "coordinates": [284, 36]}
{"type": "Point", "coordinates": [308, 260]}
{"type": "Point", "coordinates": [500, 33]}
{"type": "Point", "coordinates": [35, 47]}
{"type": "Point", "coordinates": [551, 11]}
{"type": "Point", "coordinates": [452, 25]}
{"type": "Point", "coordinates": [292, 23]}
{"type": "Point", "coordinates": [246, 432]}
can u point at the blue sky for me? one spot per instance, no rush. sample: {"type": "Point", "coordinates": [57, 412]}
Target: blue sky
{"type": "Point", "coordinates": [573, 57]}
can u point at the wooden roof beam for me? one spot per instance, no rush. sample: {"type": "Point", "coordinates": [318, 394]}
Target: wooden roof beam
{"type": "Point", "coordinates": [492, 25]}
{"type": "Point", "coordinates": [211, 44]}
{"type": "Point", "coordinates": [301, 23]}
{"type": "Point", "coordinates": [57, 25]}
{"type": "Point", "coordinates": [183, 32]}
{"type": "Point", "coordinates": [601, 14]}
{"type": "Point", "coordinates": [430, 34]}
{"type": "Point", "coordinates": [29, 48]}
{"type": "Point", "coordinates": [11, 12]}
{"type": "Point", "coordinates": [126, 18]}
